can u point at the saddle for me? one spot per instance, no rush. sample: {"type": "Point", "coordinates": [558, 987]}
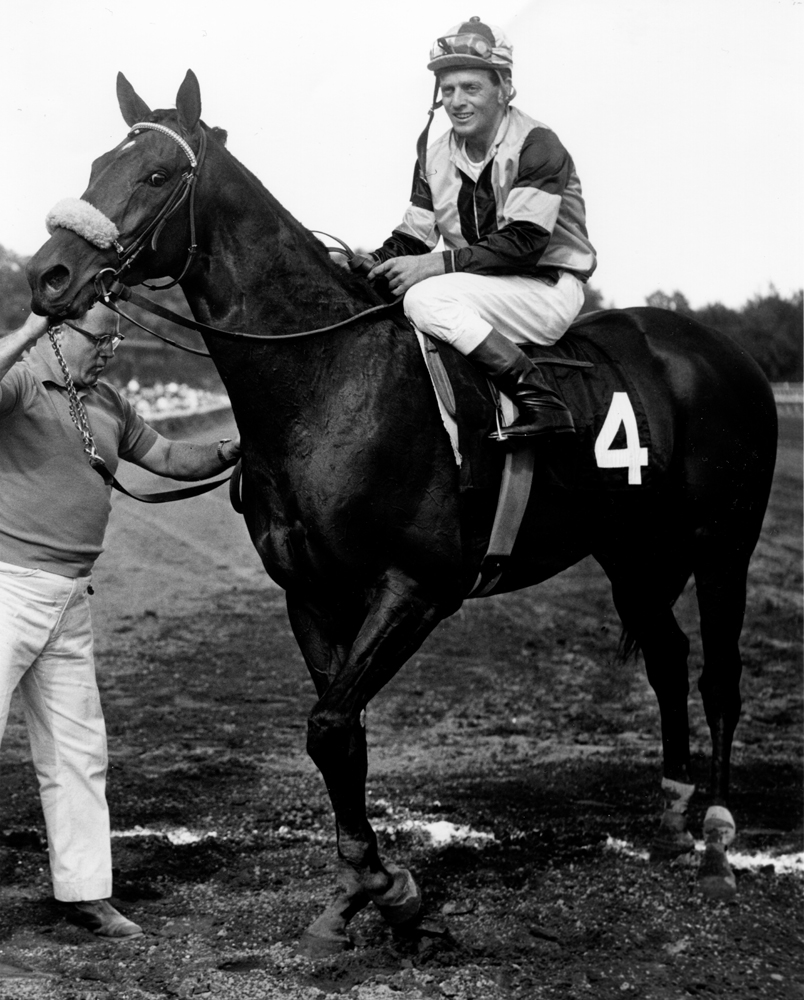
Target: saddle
{"type": "Point", "coordinates": [611, 450]}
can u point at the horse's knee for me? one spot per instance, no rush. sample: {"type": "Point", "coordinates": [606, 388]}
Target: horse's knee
{"type": "Point", "coordinates": [324, 735]}
{"type": "Point", "coordinates": [330, 736]}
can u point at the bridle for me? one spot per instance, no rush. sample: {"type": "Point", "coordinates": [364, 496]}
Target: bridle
{"type": "Point", "coordinates": [181, 192]}
{"type": "Point", "coordinates": [109, 293]}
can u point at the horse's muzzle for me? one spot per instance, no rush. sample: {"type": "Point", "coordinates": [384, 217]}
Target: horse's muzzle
{"type": "Point", "coordinates": [61, 275]}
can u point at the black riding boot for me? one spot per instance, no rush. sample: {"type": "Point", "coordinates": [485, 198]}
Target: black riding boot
{"type": "Point", "coordinates": [541, 410]}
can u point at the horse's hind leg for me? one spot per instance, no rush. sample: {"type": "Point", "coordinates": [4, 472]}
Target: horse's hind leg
{"type": "Point", "coordinates": [721, 587]}
{"type": "Point", "coordinates": [648, 618]}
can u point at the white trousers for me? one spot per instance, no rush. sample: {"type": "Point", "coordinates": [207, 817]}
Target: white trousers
{"type": "Point", "coordinates": [46, 649]}
{"type": "Point", "coordinates": [463, 308]}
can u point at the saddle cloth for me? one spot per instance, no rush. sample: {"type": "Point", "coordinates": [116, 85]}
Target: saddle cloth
{"type": "Point", "coordinates": [612, 449]}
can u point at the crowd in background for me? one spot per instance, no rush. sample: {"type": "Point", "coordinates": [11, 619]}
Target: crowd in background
{"type": "Point", "coordinates": [167, 399]}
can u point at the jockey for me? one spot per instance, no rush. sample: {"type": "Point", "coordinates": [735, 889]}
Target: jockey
{"type": "Point", "coordinates": [502, 193]}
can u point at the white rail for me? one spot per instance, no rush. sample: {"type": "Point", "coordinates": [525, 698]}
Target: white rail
{"type": "Point", "coordinates": [789, 397]}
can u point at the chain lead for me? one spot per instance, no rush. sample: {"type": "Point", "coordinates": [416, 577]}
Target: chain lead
{"type": "Point", "coordinates": [78, 412]}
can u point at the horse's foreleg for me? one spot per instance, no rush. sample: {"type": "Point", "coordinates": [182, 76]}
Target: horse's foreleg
{"type": "Point", "coordinates": [324, 640]}
{"type": "Point", "coordinates": [397, 623]}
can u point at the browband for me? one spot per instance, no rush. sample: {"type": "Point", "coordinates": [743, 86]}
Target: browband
{"type": "Point", "coordinates": [154, 127]}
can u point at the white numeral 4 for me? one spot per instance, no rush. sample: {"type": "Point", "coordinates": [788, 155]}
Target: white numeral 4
{"type": "Point", "coordinates": [632, 457]}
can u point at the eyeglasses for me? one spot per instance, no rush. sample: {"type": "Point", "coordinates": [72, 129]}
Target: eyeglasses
{"type": "Point", "coordinates": [468, 44]}
{"type": "Point", "coordinates": [112, 340]}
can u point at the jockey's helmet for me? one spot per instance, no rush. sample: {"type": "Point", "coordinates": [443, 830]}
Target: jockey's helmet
{"type": "Point", "coordinates": [469, 45]}
{"type": "Point", "coordinates": [472, 45]}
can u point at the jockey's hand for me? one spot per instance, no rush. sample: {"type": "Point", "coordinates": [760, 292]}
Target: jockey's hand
{"type": "Point", "coordinates": [403, 272]}
{"type": "Point", "coordinates": [362, 263]}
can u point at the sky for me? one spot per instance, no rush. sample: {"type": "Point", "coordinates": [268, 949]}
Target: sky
{"type": "Point", "coordinates": [684, 117]}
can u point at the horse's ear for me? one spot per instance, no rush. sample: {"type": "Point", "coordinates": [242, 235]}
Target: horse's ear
{"type": "Point", "coordinates": [188, 102]}
{"type": "Point", "coordinates": [132, 106]}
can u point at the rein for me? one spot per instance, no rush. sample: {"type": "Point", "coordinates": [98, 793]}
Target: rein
{"type": "Point", "coordinates": [118, 290]}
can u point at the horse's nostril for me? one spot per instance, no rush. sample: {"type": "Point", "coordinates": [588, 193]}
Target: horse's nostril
{"type": "Point", "coordinates": [56, 278]}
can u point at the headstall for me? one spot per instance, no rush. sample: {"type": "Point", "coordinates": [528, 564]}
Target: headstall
{"type": "Point", "coordinates": [184, 189]}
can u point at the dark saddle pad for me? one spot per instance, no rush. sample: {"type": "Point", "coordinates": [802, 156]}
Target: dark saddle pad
{"type": "Point", "coordinates": [588, 368]}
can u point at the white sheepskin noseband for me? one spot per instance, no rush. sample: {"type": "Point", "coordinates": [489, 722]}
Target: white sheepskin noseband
{"type": "Point", "coordinates": [84, 219]}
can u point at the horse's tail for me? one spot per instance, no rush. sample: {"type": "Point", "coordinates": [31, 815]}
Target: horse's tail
{"type": "Point", "coordinates": [627, 647]}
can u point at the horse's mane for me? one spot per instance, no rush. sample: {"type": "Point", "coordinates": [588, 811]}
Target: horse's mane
{"type": "Point", "coordinates": [352, 283]}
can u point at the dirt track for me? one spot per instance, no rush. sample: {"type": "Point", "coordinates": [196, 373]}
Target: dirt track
{"type": "Point", "coordinates": [512, 721]}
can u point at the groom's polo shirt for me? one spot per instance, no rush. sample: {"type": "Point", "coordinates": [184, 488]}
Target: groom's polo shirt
{"type": "Point", "coordinates": [54, 506]}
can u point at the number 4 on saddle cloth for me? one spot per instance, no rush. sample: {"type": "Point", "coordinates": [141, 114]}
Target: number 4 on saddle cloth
{"type": "Point", "coordinates": [614, 448]}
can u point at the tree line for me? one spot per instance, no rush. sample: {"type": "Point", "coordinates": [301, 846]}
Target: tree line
{"type": "Point", "coordinates": [769, 327]}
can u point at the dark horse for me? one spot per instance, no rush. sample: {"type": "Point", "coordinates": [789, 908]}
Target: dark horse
{"type": "Point", "coordinates": [352, 494]}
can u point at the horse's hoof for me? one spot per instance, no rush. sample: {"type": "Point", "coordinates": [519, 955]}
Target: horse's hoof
{"type": "Point", "coordinates": [715, 876]}
{"type": "Point", "coordinates": [718, 827]}
{"type": "Point", "coordinates": [312, 945]}
{"type": "Point", "coordinates": [672, 838]}
{"type": "Point", "coordinates": [402, 901]}
{"type": "Point", "coordinates": [664, 849]}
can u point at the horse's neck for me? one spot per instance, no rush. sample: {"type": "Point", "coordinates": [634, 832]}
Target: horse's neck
{"type": "Point", "coordinates": [260, 270]}
{"type": "Point", "coordinates": [261, 273]}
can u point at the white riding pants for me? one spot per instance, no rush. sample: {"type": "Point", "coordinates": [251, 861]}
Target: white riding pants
{"type": "Point", "coordinates": [46, 649]}
{"type": "Point", "coordinates": [462, 309]}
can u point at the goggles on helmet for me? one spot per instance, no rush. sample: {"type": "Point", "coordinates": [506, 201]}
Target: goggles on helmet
{"type": "Point", "coordinates": [468, 44]}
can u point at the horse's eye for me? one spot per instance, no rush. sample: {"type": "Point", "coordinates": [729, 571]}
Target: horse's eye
{"type": "Point", "coordinates": [157, 179]}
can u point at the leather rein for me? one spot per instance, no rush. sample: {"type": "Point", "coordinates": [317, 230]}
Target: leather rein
{"type": "Point", "coordinates": [117, 290]}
